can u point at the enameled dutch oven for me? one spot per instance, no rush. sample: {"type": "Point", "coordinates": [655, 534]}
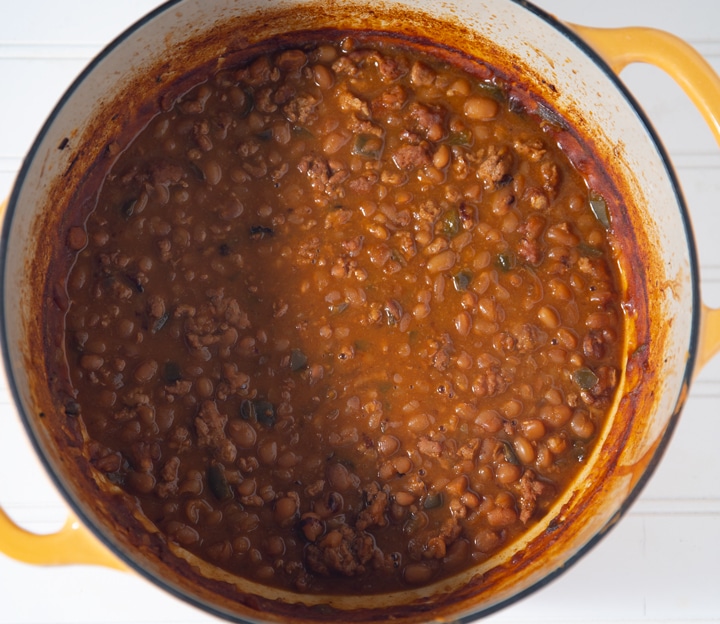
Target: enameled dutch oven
{"type": "Point", "coordinates": [670, 333]}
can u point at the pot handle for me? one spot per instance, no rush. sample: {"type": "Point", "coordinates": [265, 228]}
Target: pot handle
{"type": "Point", "coordinates": [620, 47]}
{"type": "Point", "coordinates": [72, 544]}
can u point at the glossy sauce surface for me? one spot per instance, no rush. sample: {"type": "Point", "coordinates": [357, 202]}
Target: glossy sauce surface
{"type": "Point", "coordinates": [344, 318]}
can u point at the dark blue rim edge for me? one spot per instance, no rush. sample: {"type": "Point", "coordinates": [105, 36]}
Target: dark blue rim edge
{"type": "Point", "coordinates": [472, 616]}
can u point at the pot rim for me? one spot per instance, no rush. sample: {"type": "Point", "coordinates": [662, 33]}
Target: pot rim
{"type": "Point", "coordinates": [78, 509]}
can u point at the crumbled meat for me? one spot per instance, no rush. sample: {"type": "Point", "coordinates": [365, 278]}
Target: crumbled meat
{"type": "Point", "coordinates": [169, 475]}
{"type": "Point", "coordinates": [602, 391]}
{"type": "Point", "coordinates": [163, 172]}
{"type": "Point", "coordinates": [156, 306]}
{"type": "Point", "coordinates": [527, 338]}
{"type": "Point", "coordinates": [343, 551]}
{"type": "Point", "coordinates": [531, 148]}
{"type": "Point", "coordinates": [530, 490]}
{"type": "Point", "coordinates": [529, 248]}
{"type": "Point", "coordinates": [495, 167]}
{"type": "Point", "coordinates": [405, 244]}
{"type": "Point", "coordinates": [364, 126]}
{"type": "Point", "coordinates": [301, 109]}
{"type": "Point", "coordinates": [393, 100]}
{"type": "Point", "coordinates": [345, 65]}
{"type": "Point", "coordinates": [349, 102]}
{"type": "Point", "coordinates": [421, 75]}
{"type": "Point", "coordinates": [412, 156]}
{"type": "Point", "coordinates": [530, 251]}
{"type": "Point", "coordinates": [210, 430]}
{"type": "Point", "coordinates": [373, 515]}
{"type": "Point", "coordinates": [490, 382]}
{"type": "Point", "coordinates": [536, 198]}
{"type": "Point", "coordinates": [364, 183]}
{"type": "Point", "coordinates": [551, 176]}
{"type": "Point", "coordinates": [265, 103]}
{"type": "Point", "coordinates": [428, 120]}
{"type": "Point", "coordinates": [594, 344]}
{"type": "Point", "coordinates": [429, 447]}
{"type": "Point", "coordinates": [325, 176]}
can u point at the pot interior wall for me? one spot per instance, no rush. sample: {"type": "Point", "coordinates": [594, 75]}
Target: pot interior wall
{"type": "Point", "coordinates": [138, 68]}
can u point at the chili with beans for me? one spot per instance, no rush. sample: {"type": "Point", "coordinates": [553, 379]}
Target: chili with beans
{"type": "Point", "coordinates": [343, 317]}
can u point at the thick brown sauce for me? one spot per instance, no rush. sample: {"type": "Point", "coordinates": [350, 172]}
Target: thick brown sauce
{"type": "Point", "coordinates": [343, 318]}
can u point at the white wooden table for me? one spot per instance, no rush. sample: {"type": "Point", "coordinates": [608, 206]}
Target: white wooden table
{"type": "Point", "coordinates": [660, 564]}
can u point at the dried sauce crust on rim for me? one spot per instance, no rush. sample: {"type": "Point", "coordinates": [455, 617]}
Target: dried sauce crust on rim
{"type": "Point", "coordinates": [344, 317]}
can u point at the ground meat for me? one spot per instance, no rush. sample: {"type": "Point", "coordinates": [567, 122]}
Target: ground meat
{"type": "Point", "coordinates": [163, 172]}
{"type": "Point", "coordinates": [391, 68]}
{"type": "Point", "coordinates": [343, 551]}
{"type": "Point", "coordinates": [428, 120]}
{"type": "Point", "coordinates": [210, 430]}
{"type": "Point", "coordinates": [364, 126]}
{"type": "Point", "coordinates": [326, 176]}
{"type": "Point", "coordinates": [169, 475]}
{"type": "Point", "coordinates": [491, 381]}
{"type": "Point", "coordinates": [531, 147]}
{"type": "Point", "coordinates": [363, 183]}
{"type": "Point", "coordinates": [527, 338]}
{"type": "Point", "coordinates": [602, 391]}
{"type": "Point", "coordinates": [429, 447]}
{"type": "Point", "coordinates": [421, 74]}
{"type": "Point", "coordinates": [594, 344]}
{"type": "Point", "coordinates": [530, 490]}
{"type": "Point", "coordinates": [495, 166]}
{"type": "Point", "coordinates": [376, 506]}
{"type": "Point", "coordinates": [530, 251]}
{"type": "Point", "coordinates": [349, 102]}
{"type": "Point", "coordinates": [392, 100]}
{"type": "Point", "coordinates": [301, 109]}
{"type": "Point", "coordinates": [412, 156]}
{"type": "Point", "coordinates": [156, 307]}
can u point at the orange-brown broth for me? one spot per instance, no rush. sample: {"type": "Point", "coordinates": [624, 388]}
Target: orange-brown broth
{"type": "Point", "coordinates": [343, 319]}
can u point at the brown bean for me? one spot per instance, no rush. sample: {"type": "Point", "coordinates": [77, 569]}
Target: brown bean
{"type": "Point", "coordinates": [247, 487]}
{"type": "Point", "coordinates": [387, 445]}
{"type": "Point", "coordinates": [339, 477]}
{"type": "Point", "coordinates": [417, 573]}
{"type": "Point", "coordinates": [285, 510]}
{"type": "Point", "coordinates": [91, 362]}
{"type": "Point", "coordinates": [507, 473]}
{"type": "Point", "coordinates": [77, 238]}
{"type": "Point", "coordinates": [524, 450]}
{"type": "Point", "coordinates": [489, 420]}
{"type": "Point", "coordinates": [582, 425]}
{"type": "Point", "coordinates": [501, 517]}
{"type": "Point", "coordinates": [404, 499]}
{"type": "Point", "coordinates": [312, 526]}
{"type": "Point", "coordinates": [549, 317]}
{"type": "Point", "coordinates": [242, 433]}
{"type": "Point", "coordinates": [458, 486]}
{"type": "Point", "coordinates": [323, 77]}
{"type": "Point", "coordinates": [141, 482]}
{"type": "Point", "coordinates": [267, 452]}
{"type": "Point", "coordinates": [419, 422]}
{"type": "Point", "coordinates": [182, 533]}
{"type": "Point", "coordinates": [145, 371]}
{"type": "Point", "coordinates": [213, 172]}
{"type": "Point", "coordinates": [480, 108]}
{"type": "Point", "coordinates": [555, 415]}
{"type": "Point", "coordinates": [402, 465]}
{"type": "Point", "coordinates": [463, 323]}
{"type": "Point", "coordinates": [444, 261]}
